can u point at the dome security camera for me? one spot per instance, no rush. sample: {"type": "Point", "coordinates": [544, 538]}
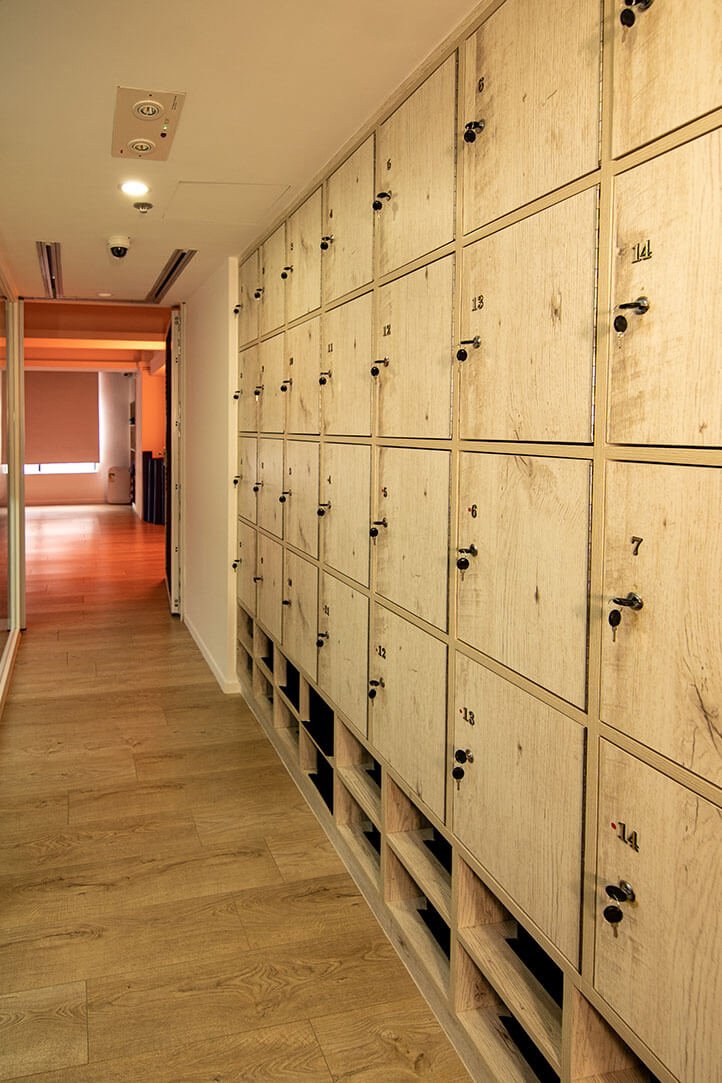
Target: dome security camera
{"type": "Point", "coordinates": [118, 246]}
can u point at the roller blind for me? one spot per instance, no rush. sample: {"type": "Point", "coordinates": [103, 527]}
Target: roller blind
{"type": "Point", "coordinates": [61, 417]}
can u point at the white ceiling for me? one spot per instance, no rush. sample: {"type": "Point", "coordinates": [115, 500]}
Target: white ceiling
{"type": "Point", "coordinates": [274, 90]}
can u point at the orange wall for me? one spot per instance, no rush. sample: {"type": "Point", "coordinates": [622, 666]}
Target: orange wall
{"type": "Point", "coordinates": [153, 413]}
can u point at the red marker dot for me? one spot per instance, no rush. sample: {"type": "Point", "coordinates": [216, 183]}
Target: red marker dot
{"type": "Point", "coordinates": [614, 826]}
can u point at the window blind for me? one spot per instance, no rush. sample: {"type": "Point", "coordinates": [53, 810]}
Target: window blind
{"type": "Point", "coordinates": [61, 417]}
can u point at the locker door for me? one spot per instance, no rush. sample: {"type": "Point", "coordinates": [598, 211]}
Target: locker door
{"type": "Point", "coordinates": [249, 281]}
{"type": "Point", "coordinates": [519, 806]}
{"type": "Point", "coordinates": [301, 495]}
{"type": "Point", "coordinates": [271, 400]}
{"type": "Point", "coordinates": [303, 353]}
{"type": "Point", "coordinates": [300, 613]}
{"type": "Point", "coordinates": [249, 381]}
{"type": "Point", "coordinates": [415, 350]}
{"type": "Point", "coordinates": [666, 372]}
{"type": "Point", "coordinates": [246, 570]}
{"type": "Point", "coordinates": [346, 486]}
{"type": "Point", "coordinates": [248, 477]}
{"type": "Point", "coordinates": [345, 362]}
{"type": "Point", "coordinates": [303, 266]}
{"type": "Point", "coordinates": [659, 966]}
{"type": "Point", "coordinates": [412, 550]}
{"type": "Point", "coordinates": [347, 261]}
{"type": "Point", "coordinates": [661, 680]}
{"type": "Point", "coordinates": [415, 169]}
{"type": "Point", "coordinates": [528, 309]}
{"type": "Point", "coordinates": [532, 84]}
{"type": "Point", "coordinates": [343, 658]}
{"type": "Point", "coordinates": [523, 596]}
{"type": "Point", "coordinates": [408, 713]}
{"type": "Point", "coordinates": [270, 475]}
{"type": "Point", "coordinates": [269, 574]}
{"type": "Point", "coordinates": [664, 77]}
{"type": "Point", "coordinates": [273, 260]}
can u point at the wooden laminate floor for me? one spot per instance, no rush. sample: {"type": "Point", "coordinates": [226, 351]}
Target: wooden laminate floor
{"type": "Point", "coordinates": [169, 907]}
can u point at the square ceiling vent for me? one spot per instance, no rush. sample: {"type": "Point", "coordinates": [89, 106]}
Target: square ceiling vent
{"type": "Point", "coordinates": [145, 123]}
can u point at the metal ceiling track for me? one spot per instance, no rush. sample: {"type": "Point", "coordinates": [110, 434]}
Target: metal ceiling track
{"type": "Point", "coordinates": [50, 268]}
{"type": "Point", "coordinates": [175, 266]}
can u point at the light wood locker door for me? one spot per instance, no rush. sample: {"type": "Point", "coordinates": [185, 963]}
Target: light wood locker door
{"type": "Point", "coordinates": [343, 658]}
{"type": "Point", "coordinates": [415, 174]}
{"type": "Point", "coordinates": [273, 260]}
{"type": "Point", "coordinates": [271, 400]}
{"type": "Point", "coordinates": [301, 495]}
{"type": "Point", "coordinates": [271, 478]}
{"type": "Point", "coordinates": [249, 382]}
{"type": "Point", "coordinates": [414, 340]}
{"type": "Point", "coordinates": [659, 966]}
{"type": "Point", "coordinates": [303, 359]}
{"type": "Point", "coordinates": [346, 486]}
{"type": "Point", "coordinates": [303, 266]}
{"type": "Point", "coordinates": [249, 282]}
{"type": "Point", "coordinates": [667, 70]}
{"type": "Point", "coordinates": [408, 712]}
{"type": "Point", "coordinates": [346, 359]}
{"type": "Point", "coordinates": [519, 805]}
{"type": "Point", "coordinates": [246, 570]}
{"type": "Point", "coordinates": [666, 368]}
{"type": "Point", "coordinates": [532, 88]}
{"type": "Point", "coordinates": [248, 477]}
{"type": "Point", "coordinates": [347, 259]}
{"type": "Point", "coordinates": [412, 520]}
{"type": "Point", "coordinates": [528, 323]}
{"type": "Point", "coordinates": [523, 596]}
{"type": "Point", "coordinates": [661, 680]}
{"type": "Point", "coordinates": [300, 613]}
{"type": "Point", "coordinates": [269, 573]}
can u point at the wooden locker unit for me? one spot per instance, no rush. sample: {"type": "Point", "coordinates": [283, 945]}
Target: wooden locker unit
{"type": "Point", "coordinates": [300, 612]}
{"type": "Point", "coordinates": [415, 172]}
{"type": "Point", "coordinates": [303, 354]}
{"type": "Point", "coordinates": [302, 271]}
{"type": "Point", "coordinates": [523, 596]}
{"type": "Point", "coordinates": [663, 77]}
{"type": "Point", "coordinates": [408, 713]}
{"type": "Point", "coordinates": [411, 511]}
{"type": "Point", "coordinates": [347, 259]}
{"type": "Point", "coordinates": [519, 805]}
{"type": "Point", "coordinates": [273, 260]}
{"type": "Point", "coordinates": [248, 477]}
{"type": "Point", "coordinates": [343, 658]}
{"type": "Point", "coordinates": [414, 344]}
{"type": "Point", "coordinates": [528, 324]}
{"type": "Point", "coordinates": [658, 952]}
{"type": "Point", "coordinates": [661, 681]}
{"type": "Point", "coordinates": [249, 297]}
{"type": "Point", "coordinates": [301, 495]}
{"type": "Point", "coordinates": [346, 357]}
{"type": "Point", "coordinates": [665, 367]}
{"type": "Point", "coordinates": [246, 570]}
{"type": "Point", "coordinates": [249, 382]}
{"type": "Point", "coordinates": [532, 86]}
{"type": "Point", "coordinates": [271, 479]}
{"type": "Point", "coordinates": [269, 576]}
{"type": "Point", "coordinates": [346, 487]}
{"type": "Point", "coordinates": [271, 400]}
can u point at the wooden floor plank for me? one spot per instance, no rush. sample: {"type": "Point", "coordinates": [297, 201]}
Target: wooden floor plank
{"type": "Point", "coordinates": [42, 1028]}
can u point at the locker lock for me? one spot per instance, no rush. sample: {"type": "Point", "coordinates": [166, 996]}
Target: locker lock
{"type": "Point", "coordinates": [461, 353]}
{"type": "Point", "coordinates": [237, 309]}
{"type": "Point", "coordinates": [377, 203]}
{"type": "Point", "coordinates": [464, 755]}
{"type": "Point", "coordinates": [639, 307]}
{"type": "Point", "coordinates": [258, 390]}
{"type": "Point", "coordinates": [374, 686]}
{"type": "Point", "coordinates": [324, 377]}
{"type": "Point", "coordinates": [284, 494]}
{"type": "Point", "coordinates": [457, 774]}
{"type": "Point", "coordinates": [258, 579]}
{"type": "Point", "coordinates": [257, 486]}
{"type": "Point", "coordinates": [286, 601]}
{"type": "Point", "coordinates": [627, 16]}
{"type": "Point", "coordinates": [374, 530]}
{"type": "Point", "coordinates": [322, 509]}
{"type": "Point", "coordinates": [472, 129]}
{"type": "Point", "coordinates": [632, 601]}
{"type": "Point", "coordinates": [321, 637]}
{"type": "Point", "coordinates": [235, 564]}
{"type": "Point", "coordinates": [236, 479]}
{"type": "Point", "coordinates": [375, 367]}
{"type": "Point", "coordinates": [621, 893]}
{"type": "Point", "coordinates": [462, 562]}
{"type": "Point", "coordinates": [286, 384]}
{"type": "Point", "coordinates": [258, 293]}
{"type": "Point", "coordinates": [286, 271]}
{"type": "Point", "coordinates": [326, 241]}
{"type": "Point", "coordinates": [236, 395]}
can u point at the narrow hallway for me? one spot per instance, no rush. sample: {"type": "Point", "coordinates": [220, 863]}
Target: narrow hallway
{"type": "Point", "coordinates": [169, 907]}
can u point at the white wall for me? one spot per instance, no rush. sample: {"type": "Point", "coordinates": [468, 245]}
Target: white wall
{"type": "Point", "coordinates": [208, 451]}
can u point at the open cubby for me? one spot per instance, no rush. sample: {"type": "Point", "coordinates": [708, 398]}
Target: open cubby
{"type": "Point", "coordinates": [245, 628]}
{"type": "Point", "coordinates": [436, 925]}
{"type": "Point", "coordinates": [536, 960]}
{"type": "Point", "coordinates": [440, 848]}
{"type": "Point", "coordinates": [263, 691]}
{"type": "Point", "coordinates": [420, 847]}
{"type": "Point", "coordinates": [422, 926]}
{"type": "Point", "coordinates": [320, 722]}
{"type": "Point", "coordinates": [292, 685]}
{"type": "Point", "coordinates": [245, 664]}
{"type": "Point", "coordinates": [541, 1069]}
{"type": "Point", "coordinates": [322, 778]}
{"type": "Point", "coordinates": [374, 772]}
{"type": "Point", "coordinates": [359, 771]}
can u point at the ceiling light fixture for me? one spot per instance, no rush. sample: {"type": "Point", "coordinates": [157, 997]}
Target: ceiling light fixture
{"type": "Point", "coordinates": [134, 188]}
{"type": "Point", "coordinates": [143, 207]}
{"type": "Point", "coordinates": [141, 146]}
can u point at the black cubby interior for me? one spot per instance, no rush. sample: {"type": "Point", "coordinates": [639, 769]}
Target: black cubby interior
{"type": "Point", "coordinates": [541, 1069]}
{"type": "Point", "coordinates": [536, 960]}
{"type": "Point", "coordinates": [267, 658]}
{"type": "Point", "coordinates": [322, 778]}
{"type": "Point", "coordinates": [440, 848]}
{"type": "Point", "coordinates": [373, 770]}
{"type": "Point", "coordinates": [373, 835]}
{"type": "Point", "coordinates": [292, 687]}
{"type": "Point", "coordinates": [320, 722]}
{"type": "Point", "coordinates": [436, 926]}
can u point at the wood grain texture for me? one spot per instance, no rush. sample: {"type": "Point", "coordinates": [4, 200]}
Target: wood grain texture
{"type": "Point", "coordinates": [300, 481]}
{"type": "Point", "coordinates": [249, 279]}
{"type": "Point", "coordinates": [273, 260]}
{"type": "Point", "coordinates": [347, 355]}
{"type": "Point", "coordinates": [348, 261]}
{"type": "Point", "coordinates": [303, 252]}
{"type": "Point", "coordinates": [346, 485]}
{"type": "Point", "coordinates": [303, 356]}
{"type": "Point", "coordinates": [41, 1028]}
{"type": "Point", "coordinates": [300, 617]}
{"type": "Point", "coordinates": [342, 659]}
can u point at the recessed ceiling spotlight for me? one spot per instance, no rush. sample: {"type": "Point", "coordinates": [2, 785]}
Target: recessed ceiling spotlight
{"type": "Point", "coordinates": [147, 109]}
{"type": "Point", "coordinates": [143, 207]}
{"type": "Point", "coordinates": [134, 188]}
{"type": "Point", "coordinates": [141, 146]}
